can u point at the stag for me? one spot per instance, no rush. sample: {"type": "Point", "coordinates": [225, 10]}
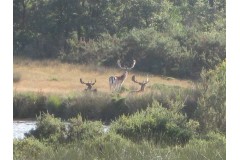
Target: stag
{"type": "Point", "coordinates": [142, 84]}
{"type": "Point", "coordinates": [115, 82]}
{"type": "Point", "coordinates": [89, 85]}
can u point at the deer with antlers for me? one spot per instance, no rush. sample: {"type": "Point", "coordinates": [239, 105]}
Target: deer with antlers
{"type": "Point", "coordinates": [142, 84]}
{"type": "Point", "coordinates": [89, 85]}
{"type": "Point", "coordinates": [115, 82]}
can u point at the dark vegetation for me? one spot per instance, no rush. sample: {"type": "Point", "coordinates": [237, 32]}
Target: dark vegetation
{"type": "Point", "coordinates": [173, 38]}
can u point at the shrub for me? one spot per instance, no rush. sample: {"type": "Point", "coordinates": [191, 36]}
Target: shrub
{"type": "Point", "coordinates": [83, 130]}
{"type": "Point", "coordinates": [29, 148]}
{"type": "Point", "coordinates": [209, 49]}
{"type": "Point", "coordinates": [157, 124]}
{"type": "Point", "coordinates": [214, 148]}
{"type": "Point", "coordinates": [211, 108]}
{"type": "Point", "coordinates": [49, 128]}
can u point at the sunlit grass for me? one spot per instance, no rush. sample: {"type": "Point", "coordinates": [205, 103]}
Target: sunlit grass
{"type": "Point", "coordinates": [57, 77]}
{"type": "Point", "coordinates": [16, 77]}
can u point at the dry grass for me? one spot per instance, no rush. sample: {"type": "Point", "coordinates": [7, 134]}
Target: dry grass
{"type": "Point", "coordinates": [52, 76]}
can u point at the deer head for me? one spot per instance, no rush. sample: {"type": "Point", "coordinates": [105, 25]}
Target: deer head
{"type": "Point", "coordinates": [89, 84]}
{"type": "Point", "coordinates": [142, 84]}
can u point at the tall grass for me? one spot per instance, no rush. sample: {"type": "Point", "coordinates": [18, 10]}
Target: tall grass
{"type": "Point", "coordinates": [196, 149]}
{"type": "Point", "coordinates": [100, 105]}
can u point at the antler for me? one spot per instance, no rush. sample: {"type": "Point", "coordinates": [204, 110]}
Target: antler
{"type": "Point", "coordinates": [89, 83]}
{"type": "Point", "coordinates": [126, 68]}
{"type": "Point", "coordinates": [92, 83]}
{"type": "Point", "coordinates": [146, 80]}
{"type": "Point", "coordinates": [82, 81]}
{"type": "Point", "coordinates": [134, 80]}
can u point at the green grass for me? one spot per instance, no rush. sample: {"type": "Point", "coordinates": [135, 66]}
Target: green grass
{"type": "Point", "coordinates": [114, 147]}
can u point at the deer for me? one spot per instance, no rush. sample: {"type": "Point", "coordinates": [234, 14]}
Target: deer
{"type": "Point", "coordinates": [89, 85]}
{"type": "Point", "coordinates": [116, 82]}
{"type": "Point", "coordinates": [142, 84]}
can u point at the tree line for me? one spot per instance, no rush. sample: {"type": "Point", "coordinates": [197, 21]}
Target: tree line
{"type": "Point", "coordinates": [168, 37]}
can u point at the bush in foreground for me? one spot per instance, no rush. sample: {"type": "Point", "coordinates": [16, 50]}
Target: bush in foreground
{"type": "Point", "coordinates": [156, 124]}
{"type": "Point", "coordinates": [49, 128]}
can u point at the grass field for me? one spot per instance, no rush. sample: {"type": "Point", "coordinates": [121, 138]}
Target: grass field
{"type": "Point", "coordinates": [52, 76]}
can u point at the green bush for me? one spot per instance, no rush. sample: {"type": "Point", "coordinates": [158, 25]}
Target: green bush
{"type": "Point", "coordinates": [214, 148]}
{"type": "Point", "coordinates": [211, 108]}
{"type": "Point", "coordinates": [157, 124]}
{"type": "Point", "coordinates": [49, 128]}
{"type": "Point", "coordinates": [209, 49]}
{"type": "Point", "coordinates": [83, 130]}
{"type": "Point", "coordinates": [29, 148]}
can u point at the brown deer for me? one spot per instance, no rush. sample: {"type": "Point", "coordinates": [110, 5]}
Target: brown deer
{"type": "Point", "coordinates": [115, 82]}
{"type": "Point", "coordinates": [89, 85]}
{"type": "Point", "coordinates": [142, 84]}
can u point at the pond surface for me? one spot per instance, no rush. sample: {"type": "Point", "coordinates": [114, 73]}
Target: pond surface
{"type": "Point", "coordinates": [20, 127]}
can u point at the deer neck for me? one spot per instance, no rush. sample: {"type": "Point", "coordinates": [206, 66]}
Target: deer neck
{"type": "Point", "coordinates": [123, 76]}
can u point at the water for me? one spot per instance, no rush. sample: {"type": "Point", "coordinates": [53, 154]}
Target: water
{"type": "Point", "coordinates": [20, 127]}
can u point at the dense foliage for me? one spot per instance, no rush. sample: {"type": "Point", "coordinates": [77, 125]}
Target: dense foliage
{"type": "Point", "coordinates": [86, 140]}
{"type": "Point", "coordinates": [211, 108]}
{"type": "Point", "coordinates": [157, 124]}
{"type": "Point", "coordinates": [166, 37]}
